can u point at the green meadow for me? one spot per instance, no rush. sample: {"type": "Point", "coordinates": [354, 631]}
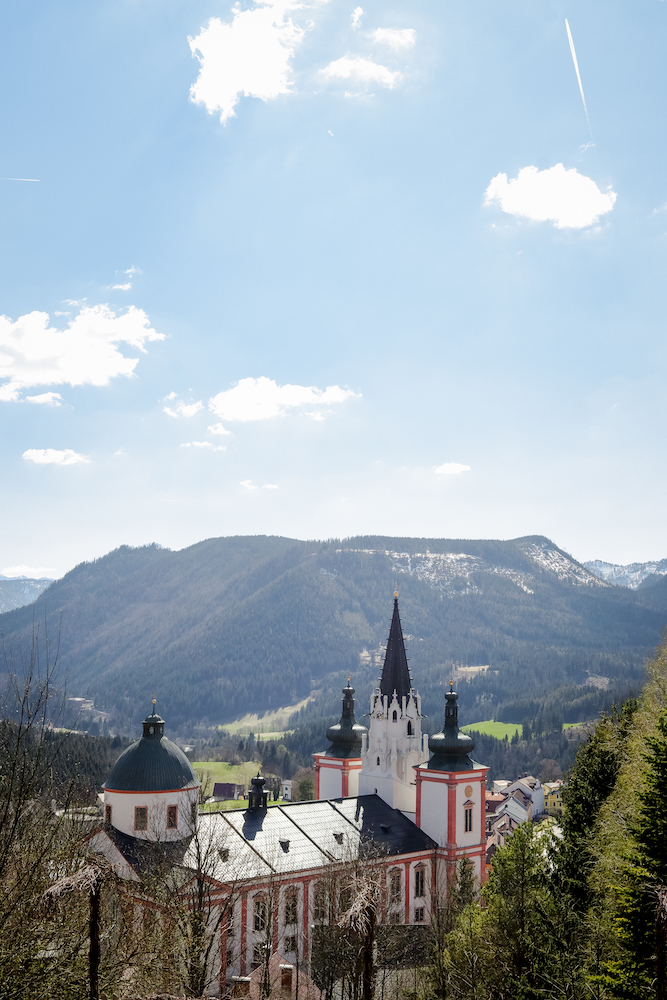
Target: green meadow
{"type": "Point", "coordinates": [218, 770]}
{"type": "Point", "coordinates": [502, 729]}
{"type": "Point", "coordinates": [491, 728]}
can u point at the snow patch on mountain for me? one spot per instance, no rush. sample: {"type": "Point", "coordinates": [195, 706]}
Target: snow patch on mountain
{"type": "Point", "coordinates": [565, 569]}
{"type": "Point", "coordinates": [16, 593]}
{"type": "Point", "coordinates": [631, 575]}
{"type": "Point", "coordinates": [451, 573]}
{"type": "Point", "coordinates": [455, 574]}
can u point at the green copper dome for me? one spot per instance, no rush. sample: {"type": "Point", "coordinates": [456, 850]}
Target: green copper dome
{"type": "Point", "coordinates": [151, 764]}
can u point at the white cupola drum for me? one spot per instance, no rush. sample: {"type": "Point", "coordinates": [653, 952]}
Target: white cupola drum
{"type": "Point", "coordinates": [152, 792]}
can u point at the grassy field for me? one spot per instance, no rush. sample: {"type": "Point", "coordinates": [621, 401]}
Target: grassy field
{"type": "Point", "coordinates": [491, 728]}
{"type": "Point", "coordinates": [271, 725]}
{"type": "Point", "coordinates": [211, 807]}
{"type": "Point", "coordinates": [501, 729]}
{"type": "Point", "coordinates": [240, 774]}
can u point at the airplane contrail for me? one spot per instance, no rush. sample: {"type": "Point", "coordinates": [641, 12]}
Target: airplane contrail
{"type": "Point", "coordinates": [576, 69]}
{"type": "Point", "coordinates": [31, 180]}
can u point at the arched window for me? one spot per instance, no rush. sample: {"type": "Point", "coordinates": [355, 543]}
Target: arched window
{"type": "Point", "coordinates": [320, 903]}
{"type": "Point", "coordinates": [395, 885]}
{"type": "Point", "coordinates": [261, 913]}
{"type": "Point", "coordinates": [394, 716]}
{"type": "Point", "coordinates": [419, 882]}
{"type": "Point", "coordinates": [291, 907]}
{"type": "Point", "coordinates": [378, 762]}
{"type": "Point", "coordinates": [409, 729]}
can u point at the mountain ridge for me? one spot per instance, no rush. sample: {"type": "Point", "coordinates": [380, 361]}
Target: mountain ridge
{"type": "Point", "coordinates": [249, 623]}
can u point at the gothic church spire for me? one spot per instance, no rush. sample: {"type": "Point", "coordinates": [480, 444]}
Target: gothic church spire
{"type": "Point", "coordinates": [395, 672]}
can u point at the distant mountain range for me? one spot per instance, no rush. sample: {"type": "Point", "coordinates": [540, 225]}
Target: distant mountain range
{"type": "Point", "coordinates": [634, 575]}
{"type": "Point", "coordinates": [17, 591]}
{"type": "Point", "coordinates": [247, 624]}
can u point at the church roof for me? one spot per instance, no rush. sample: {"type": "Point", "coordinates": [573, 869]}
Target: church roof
{"type": "Point", "coordinates": [302, 835]}
{"type": "Point", "coordinates": [151, 764]}
{"type": "Point", "coordinates": [292, 837]}
{"type": "Point", "coordinates": [395, 672]}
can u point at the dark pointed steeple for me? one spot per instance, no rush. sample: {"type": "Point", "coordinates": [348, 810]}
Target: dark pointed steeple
{"type": "Point", "coordinates": [395, 673]}
{"type": "Point", "coordinates": [345, 736]}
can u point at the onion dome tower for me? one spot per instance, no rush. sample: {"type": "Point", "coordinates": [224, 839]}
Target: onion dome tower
{"type": "Point", "coordinates": [337, 769]}
{"type": "Point", "coordinates": [394, 746]}
{"type": "Point", "coordinates": [451, 800]}
{"type": "Point", "coordinates": [451, 748]}
{"type": "Point", "coordinates": [152, 793]}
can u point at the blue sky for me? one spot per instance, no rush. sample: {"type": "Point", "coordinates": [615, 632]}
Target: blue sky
{"type": "Point", "coordinates": [321, 268]}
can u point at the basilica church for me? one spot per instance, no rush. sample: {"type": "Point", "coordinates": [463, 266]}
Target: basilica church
{"type": "Point", "coordinates": [386, 794]}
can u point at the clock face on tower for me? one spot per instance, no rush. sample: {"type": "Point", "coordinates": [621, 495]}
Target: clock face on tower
{"type": "Point", "coordinates": [468, 791]}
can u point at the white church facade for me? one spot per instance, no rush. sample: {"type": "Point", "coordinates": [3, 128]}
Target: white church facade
{"type": "Point", "coordinates": [386, 796]}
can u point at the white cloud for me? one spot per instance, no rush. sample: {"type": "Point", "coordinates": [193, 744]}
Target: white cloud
{"type": "Point", "coordinates": [204, 444]}
{"type": "Point", "coordinates": [262, 399]}
{"type": "Point", "coordinates": [395, 38]}
{"type": "Point", "coordinates": [249, 55]}
{"type": "Point", "coordinates": [53, 456]}
{"type": "Point", "coordinates": [364, 70]}
{"type": "Point", "coordinates": [218, 429]}
{"type": "Point", "coordinates": [33, 353]}
{"type": "Point", "coordinates": [123, 288]}
{"type": "Point", "coordinates": [565, 197]}
{"type": "Point", "coordinates": [249, 485]}
{"type": "Point", "coordinates": [133, 270]}
{"type": "Point", "coordinates": [33, 572]}
{"type": "Point", "coordinates": [45, 399]}
{"type": "Point", "coordinates": [357, 15]}
{"type": "Point", "coordinates": [452, 469]}
{"type": "Point", "coordinates": [182, 409]}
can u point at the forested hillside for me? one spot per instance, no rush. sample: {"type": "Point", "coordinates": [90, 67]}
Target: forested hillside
{"type": "Point", "coordinates": [242, 624]}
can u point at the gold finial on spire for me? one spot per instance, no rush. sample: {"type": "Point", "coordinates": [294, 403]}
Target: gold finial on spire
{"type": "Point", "coordinates": [154, 701]}
{"type": "Point", "coordinates": [451, 685]}
{"type": "Point", "coordinates": [348, 680]}
{"type": "Point", "coordinates": [396, 593]}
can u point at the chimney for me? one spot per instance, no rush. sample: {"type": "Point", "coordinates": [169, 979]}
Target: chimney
{"type": "Point", "coordinates": [257, 797]}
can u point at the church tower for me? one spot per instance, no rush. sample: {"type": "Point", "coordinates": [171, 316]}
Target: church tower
{"type": "Point", "coordinates": [394, 745]}
{"type": "Point", "coordinates": [337, 769]}
{"type": "Point", "coordinates": [451, 802]}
